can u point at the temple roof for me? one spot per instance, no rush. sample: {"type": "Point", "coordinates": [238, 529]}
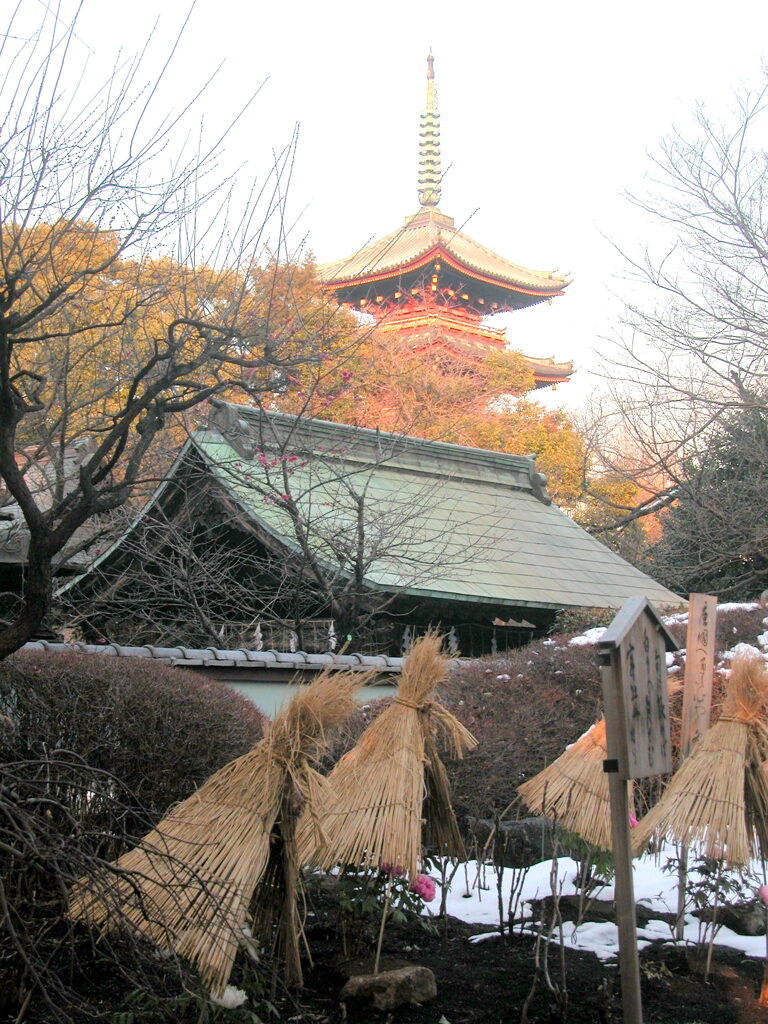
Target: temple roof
{"type": "Point", "coordinates": [478, 526]}
{"type": "Point", "coordinates": [430, 234]}
{"type": "Point", "coordinates": [44, 476]}
{"type": "Point", "coordinates": [486, 530]}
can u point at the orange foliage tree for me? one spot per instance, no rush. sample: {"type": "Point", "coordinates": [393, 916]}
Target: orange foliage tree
{"type": "Point", "coordinates": [385, 383]}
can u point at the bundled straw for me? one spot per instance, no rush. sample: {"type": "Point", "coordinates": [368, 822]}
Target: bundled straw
{"type": "Point", "coordinates": [379, 786]}
{"type": "Point", "coordinates": [719, 797]}
{"type": "Point", "coordinates": [188, 885]}
{"type": "Point", "coordinates": [573, 790]}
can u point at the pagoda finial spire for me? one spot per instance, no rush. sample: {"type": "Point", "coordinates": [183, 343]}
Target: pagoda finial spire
{"type": "Point", "coordinates": [429, 146]}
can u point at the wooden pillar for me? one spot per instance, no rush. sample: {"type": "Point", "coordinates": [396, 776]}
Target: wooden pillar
{"type": "Point", "coordinates": [629, 961]}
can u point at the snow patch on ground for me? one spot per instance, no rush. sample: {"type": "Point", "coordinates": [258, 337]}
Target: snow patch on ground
{"type": "Point", "coordinates": [681, 618]}
{"type": "Point", "coordinates": [747, 649]}
{"type": "Point", "coordinates": [473, 898]}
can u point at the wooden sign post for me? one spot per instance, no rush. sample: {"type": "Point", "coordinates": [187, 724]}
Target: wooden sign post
{"type": "Point", "coordinates": [634, 677]}
{"type": "Point", "coordinates": [699, 669]}
{"type": "Point", "coordinates": [697, 706]}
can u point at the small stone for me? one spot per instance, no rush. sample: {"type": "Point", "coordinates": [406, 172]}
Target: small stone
{"type": "Point", "coordinates": [742, 918]}
{"type": "Point", "coordinates": [390, 989]}
{"type": "Point", "coordinates": [520, 843]}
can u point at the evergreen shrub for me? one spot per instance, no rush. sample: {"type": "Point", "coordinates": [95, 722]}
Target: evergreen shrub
{"type": "Point", "coordinates": [160, 730]}
{"type": "Point", "coordinates": [93, 752]}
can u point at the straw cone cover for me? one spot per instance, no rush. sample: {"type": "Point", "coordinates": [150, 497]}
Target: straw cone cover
{"type": "Point", "coordinates": [573, 790]}
{"type": "Point", "coordinates": [718, 799]}
{"type": "Point", "coordinates": [376, 816]}
{"type": "Point", "coordinates": [187, 886]}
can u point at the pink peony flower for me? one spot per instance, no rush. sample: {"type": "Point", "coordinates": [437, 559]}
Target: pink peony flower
{"type": "Point", "coordinates": [425, 887]}
{"type": "Point", "coordinates": [762, 892]}
{"type": "Point", "coordinates": [632, 820]}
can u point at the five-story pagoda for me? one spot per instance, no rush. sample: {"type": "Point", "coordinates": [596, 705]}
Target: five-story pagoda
{"type": "Point", "coordinates": [431, 285]}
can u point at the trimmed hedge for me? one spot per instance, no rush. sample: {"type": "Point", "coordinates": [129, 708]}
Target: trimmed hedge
{"type": "Point", "coordinates": [93, 750]}
{"type": "Point", "coordinates": [161, 731]}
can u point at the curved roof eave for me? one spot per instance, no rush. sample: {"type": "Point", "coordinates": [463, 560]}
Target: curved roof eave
{"type": "Point", "coordinates": [411, 247]}
{"type": "Point", "coordinates": [540, 292]}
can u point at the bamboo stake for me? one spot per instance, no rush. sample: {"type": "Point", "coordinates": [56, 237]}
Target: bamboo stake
{"type": "Point", "coordinates": [384, 909]}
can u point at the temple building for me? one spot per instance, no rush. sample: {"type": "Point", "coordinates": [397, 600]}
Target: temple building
{"type": "Point", "coordinates": [430, 285]}
{"type": "Point", "coordinates": [269, 522]}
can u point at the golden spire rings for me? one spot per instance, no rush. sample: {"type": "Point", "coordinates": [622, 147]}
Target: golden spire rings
{"type": "Point", "coordinates": [429, 146]}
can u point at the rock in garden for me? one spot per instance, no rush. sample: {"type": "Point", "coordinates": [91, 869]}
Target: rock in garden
{"type": "Point", "coordinates": [390, 989]}
{"type": "Point", "coordinates": [521, 843]}
{"type": "Point", "coordinates": [742, 918]}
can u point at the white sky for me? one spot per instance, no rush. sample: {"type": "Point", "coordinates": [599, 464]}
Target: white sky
{"type": "Point", "coordinates": [548, 111]}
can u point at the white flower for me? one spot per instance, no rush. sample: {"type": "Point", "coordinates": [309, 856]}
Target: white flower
{"type": "Point", "coordinates": [248, 943]}
{"type": "Point", "coordinates": [230, 998]}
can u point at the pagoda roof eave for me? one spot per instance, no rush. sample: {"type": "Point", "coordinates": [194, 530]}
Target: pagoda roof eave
{"type": "Point", "coordinates": [428, 236]}
{"type": "Point", "coordinates": [547, 370]}
{"type": "Point", "coordinates": [439, 252]}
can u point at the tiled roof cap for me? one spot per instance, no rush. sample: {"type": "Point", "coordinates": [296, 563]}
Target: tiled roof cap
{"type": "Point", "coordinates": [211, 656]}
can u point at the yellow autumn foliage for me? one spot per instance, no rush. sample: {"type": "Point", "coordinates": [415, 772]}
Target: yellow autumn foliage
{"type": "Point", "coordinates": [77, 360]}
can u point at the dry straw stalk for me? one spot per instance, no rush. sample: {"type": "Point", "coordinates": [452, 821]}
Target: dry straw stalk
{"type": "Point", "coordinates": [188, 885]}
{"type": "Point", "coordinates": [379, 786]}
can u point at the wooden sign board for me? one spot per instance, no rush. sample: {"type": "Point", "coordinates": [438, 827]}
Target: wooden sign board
{"type": "Point", "coordinates": [699, 669]}
{"type": "Point", "coordinates": [638, 642]}
{"type": "Point", "coordinates": [634, 675]}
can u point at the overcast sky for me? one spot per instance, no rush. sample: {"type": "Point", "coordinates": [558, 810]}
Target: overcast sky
{"type": "Point", "coordinates": [547, 113]}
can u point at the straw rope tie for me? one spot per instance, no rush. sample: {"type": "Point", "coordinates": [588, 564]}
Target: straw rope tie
{"type": "Point", "coordinates": [424, 707]}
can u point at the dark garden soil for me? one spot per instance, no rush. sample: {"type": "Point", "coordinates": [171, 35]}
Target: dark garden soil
{"type": "Point", "coordinates": [489, 982]}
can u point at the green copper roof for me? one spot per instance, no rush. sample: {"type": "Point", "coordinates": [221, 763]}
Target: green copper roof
{"type": "Point", "coordinates": [449, 522]}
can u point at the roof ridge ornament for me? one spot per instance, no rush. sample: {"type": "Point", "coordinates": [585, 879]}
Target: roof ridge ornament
{"type": "Point", "coordinates": [430, 175]}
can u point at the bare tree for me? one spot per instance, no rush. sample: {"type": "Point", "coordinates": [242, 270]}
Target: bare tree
{"type": "Point", "coordinates": [692, 359]}
{"type": "Point", "coordinates": [129, 288]}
